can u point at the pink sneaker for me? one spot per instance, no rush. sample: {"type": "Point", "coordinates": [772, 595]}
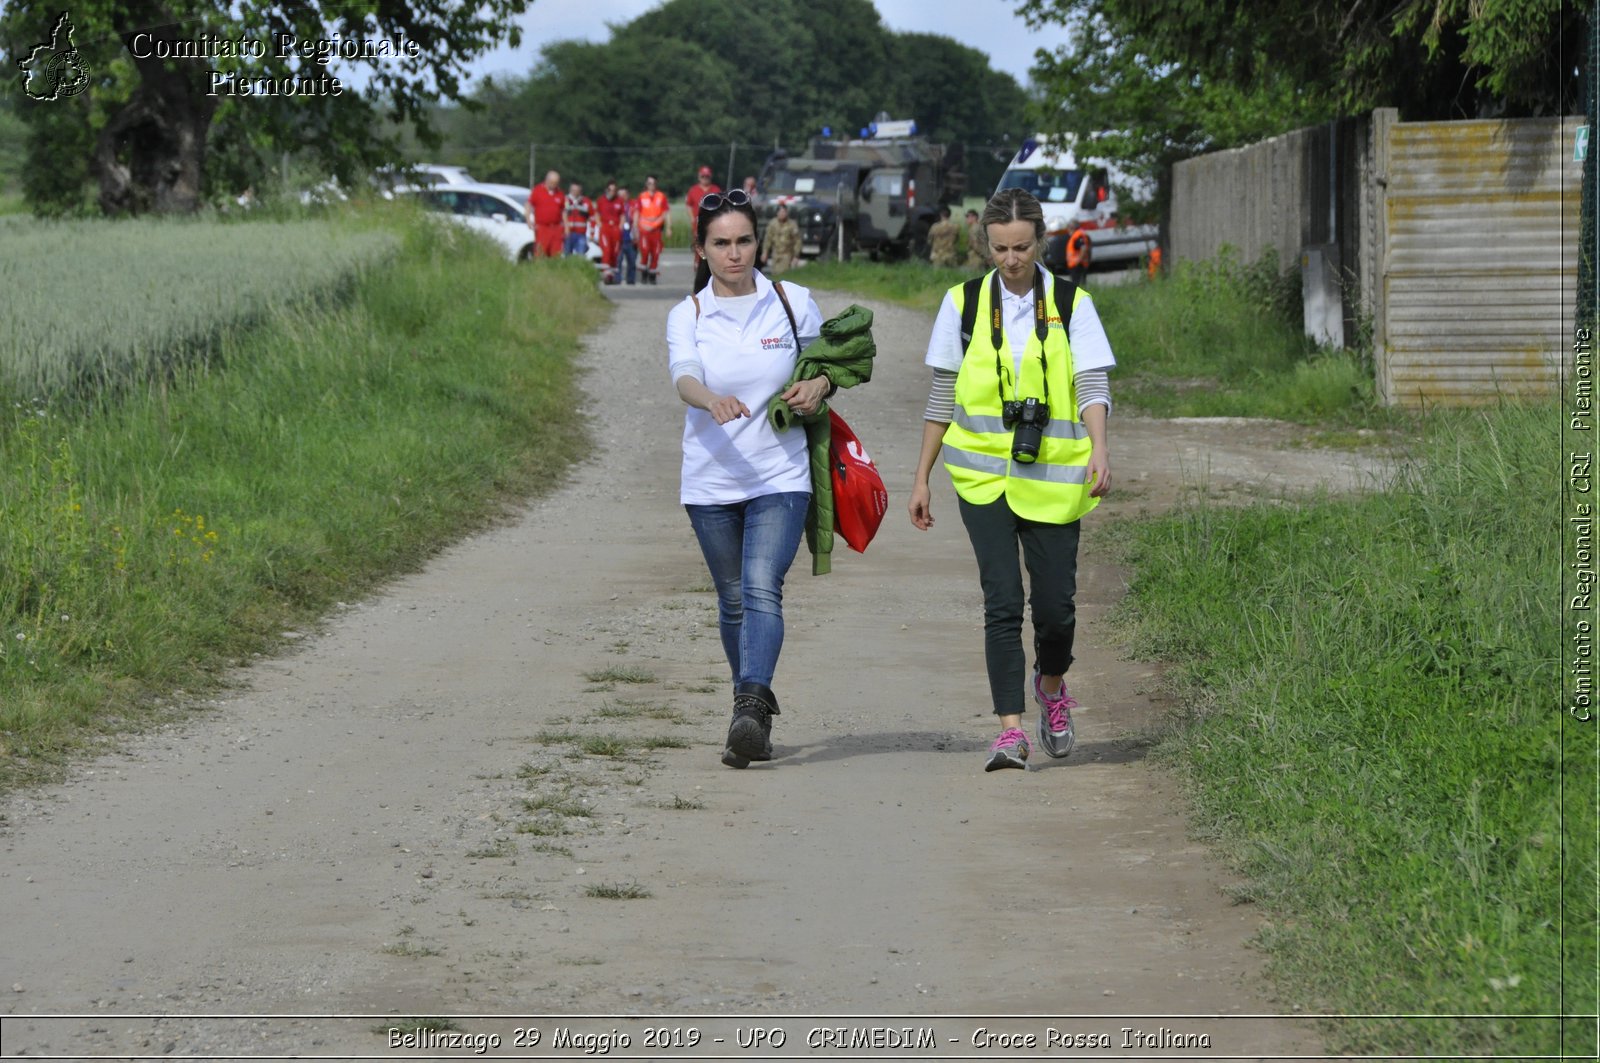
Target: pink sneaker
{"type": "Point", "coordinates": [1010, 750]}
{"type": "Point", "coordinates": [1055, 719]}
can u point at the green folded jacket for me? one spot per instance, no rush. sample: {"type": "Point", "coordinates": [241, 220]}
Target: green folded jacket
{"type": "Point", "coordinates": [843, 353]}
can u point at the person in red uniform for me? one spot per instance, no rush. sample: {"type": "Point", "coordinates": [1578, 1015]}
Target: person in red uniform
{"type": "Point", "coordinates": [580, 208]}
{"type": "Point", "coordinates": [545, 205]}
{"type": "Point", "coordinates": [655, 221]}
{"type": "Point", "coordinates": [700, 190]}
{"type": "Point", "coordinates": [608, 224]}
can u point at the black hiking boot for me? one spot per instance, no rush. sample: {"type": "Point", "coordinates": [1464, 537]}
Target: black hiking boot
{"type": "Point", "coordinates": [750, 734]}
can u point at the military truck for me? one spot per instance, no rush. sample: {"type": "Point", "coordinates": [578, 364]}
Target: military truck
{"type": "Point", "coordinates": [879, 193]}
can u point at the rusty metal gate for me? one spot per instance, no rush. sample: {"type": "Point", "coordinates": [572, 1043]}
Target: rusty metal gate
{"type": "Point", "coordinates": [1478, 251]}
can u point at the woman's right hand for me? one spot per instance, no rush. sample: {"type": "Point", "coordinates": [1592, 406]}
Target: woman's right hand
{"type": "Point", "coordinates": [921, 507]}
{"type": "Point", "coordinates": [725, 408]}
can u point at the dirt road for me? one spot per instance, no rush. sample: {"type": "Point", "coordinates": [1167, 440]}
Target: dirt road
{"type": "Point", "coordinates": [422, 811]}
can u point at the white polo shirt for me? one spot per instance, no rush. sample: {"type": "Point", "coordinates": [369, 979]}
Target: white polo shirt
{"type": "Point", "coordinates": [742, 347]}
{"type": "Point", "coordinates": [1086, 336]}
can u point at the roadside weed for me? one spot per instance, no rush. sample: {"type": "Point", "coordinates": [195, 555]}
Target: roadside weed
{"type": "Point", "coordinates": [557, 806]}
{"type": "Point", "coordinates": [500, 847]}
{"type": "Point", "coordinates": [617, 674]}
{"type": "Point", "coordinates": [603, 746]}
{"type": "Point", "coordinates": [1372, 734]}
{"type": "Point", "coordinates": [620, 891]}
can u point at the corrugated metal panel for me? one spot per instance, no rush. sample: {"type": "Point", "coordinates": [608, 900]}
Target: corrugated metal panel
{"type": "Point", "coordinates": [1480, 262]}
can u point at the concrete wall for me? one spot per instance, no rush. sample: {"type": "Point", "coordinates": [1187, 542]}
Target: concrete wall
{"type": "Point", "coordinates": [1455, 242]}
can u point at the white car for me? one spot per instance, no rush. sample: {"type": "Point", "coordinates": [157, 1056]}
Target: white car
{"type": "Point", "coordinates": [495, 210]}
{"type": "Point", "coordinates": [394, 179]}
{"type": "Point", "coordinates": [432, 175]}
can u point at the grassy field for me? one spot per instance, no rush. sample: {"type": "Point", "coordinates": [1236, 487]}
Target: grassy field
{"type": "Point", "coordinates": [1372, 728]}
{"type": "Point", "coordinates": [318, 448]}
{"type": "Point", "coordinates": [1205, 340]}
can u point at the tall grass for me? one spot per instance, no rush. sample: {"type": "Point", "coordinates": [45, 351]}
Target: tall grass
{"type": "Point", "coordinates": [1205, 340]}
{"type": "Point", "coordinates": [97, 304]}
{"type": "Point", "coordinates": [147, 545]}
{"type": "Point", "coordinates": [1376, 734]}
{"type": "Point", "coordinates": [913, 283]}
{"type": "Point", "coordinates": [1225, 338]}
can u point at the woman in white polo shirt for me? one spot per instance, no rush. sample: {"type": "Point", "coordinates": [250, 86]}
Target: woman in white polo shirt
{"type": "Point", "coordinates": [731, 346]}
{"type": "Point", "coordinates": [1017, 411]}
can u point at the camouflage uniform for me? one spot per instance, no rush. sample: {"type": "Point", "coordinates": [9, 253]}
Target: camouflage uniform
{"type": "Point", "coordinates": [780, 244]}
{"type": "Point", "coordinates": [942, 242]}
{"type": "Point", "coordinates": [977, 246]}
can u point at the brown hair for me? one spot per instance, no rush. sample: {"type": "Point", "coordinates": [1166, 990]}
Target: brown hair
{"type": "Point", "coordinates": [702, 222]}
{"type": "Point", "coordinates": [1015, 204]}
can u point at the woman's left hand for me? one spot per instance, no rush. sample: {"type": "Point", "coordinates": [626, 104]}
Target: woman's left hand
{"type": "Point", "coordinates": [1099, 474]}
{"type": "Point", "coordinates": [805, 396]}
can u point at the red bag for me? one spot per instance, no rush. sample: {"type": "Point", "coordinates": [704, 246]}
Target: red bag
{"type": "Point", "coordinates": [859, 498]}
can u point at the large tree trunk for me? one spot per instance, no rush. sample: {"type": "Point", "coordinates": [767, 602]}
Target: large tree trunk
{"type": "Point", "coordinates": [150, 157]}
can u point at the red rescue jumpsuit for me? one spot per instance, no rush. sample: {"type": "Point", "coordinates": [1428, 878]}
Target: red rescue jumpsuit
{"type": "Point", "coordinates": [608, 209]}
{"type": "Point", "coordinates": [653, 209]}
{"type": "Point", "coordinates": [545, 206]}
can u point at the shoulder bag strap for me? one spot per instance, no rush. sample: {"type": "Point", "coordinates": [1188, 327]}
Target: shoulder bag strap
{"type": "Point", "coordinates": [1068, 291]}
{"type": "Point", "coordinates": [783, 298]}
{"type": "Point", "coordinates": [969, 310]}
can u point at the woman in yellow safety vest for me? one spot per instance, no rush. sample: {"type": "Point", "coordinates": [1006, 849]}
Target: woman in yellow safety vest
{"type": "Point", "coordinates": [1017, 411]}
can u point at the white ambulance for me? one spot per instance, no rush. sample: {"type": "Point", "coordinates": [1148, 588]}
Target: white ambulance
{"type": "Point", "coordinates": [1077, 196]}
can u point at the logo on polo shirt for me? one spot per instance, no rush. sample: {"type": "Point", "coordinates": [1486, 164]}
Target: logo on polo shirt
{"type": "Point", "coordinates": [775, 343]}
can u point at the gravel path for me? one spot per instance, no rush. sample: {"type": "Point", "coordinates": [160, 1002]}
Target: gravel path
{"type": "Point", "coordinates": [417, 813]}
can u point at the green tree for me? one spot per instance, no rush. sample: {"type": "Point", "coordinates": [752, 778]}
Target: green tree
{"type": "Point", "coordinates": [1146, 114]}
{"type": "Point", "coordinates": [716, 72]}
{"type": "Point", "coordinates": [956, 97]}
{"type": "Point", "coordinates": [1432, 59]}
{"type": "Point", "coordinates": [153, 119]}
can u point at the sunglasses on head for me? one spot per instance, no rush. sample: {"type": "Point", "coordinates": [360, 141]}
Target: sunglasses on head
{"type": "Point", "coordinates": [715, 200]}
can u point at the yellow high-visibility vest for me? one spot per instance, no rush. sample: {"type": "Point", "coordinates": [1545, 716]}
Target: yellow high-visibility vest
{"type": "Point", "coordinates": [977, 445]}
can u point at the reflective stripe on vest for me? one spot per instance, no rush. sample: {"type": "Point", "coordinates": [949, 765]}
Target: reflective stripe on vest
{"type": "Point", "coordinates": [1056, 429]}
{"type": "Point", "coordinates": [977, 445]}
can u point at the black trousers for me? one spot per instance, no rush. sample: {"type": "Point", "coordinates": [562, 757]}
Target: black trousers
{"type": "Point", "coordinates": [1050, 552]}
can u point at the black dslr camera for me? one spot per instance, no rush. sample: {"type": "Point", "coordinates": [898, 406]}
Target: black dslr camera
{"type": "Point", "coordinates": [1026, 419]}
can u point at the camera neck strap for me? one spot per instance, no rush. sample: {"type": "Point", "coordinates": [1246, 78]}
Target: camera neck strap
{"type": "Point", "coordinates": [1041, 329]}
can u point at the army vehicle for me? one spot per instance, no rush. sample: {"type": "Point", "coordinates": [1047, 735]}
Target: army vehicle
{"type": "Point", "coordinates": [879, 193]}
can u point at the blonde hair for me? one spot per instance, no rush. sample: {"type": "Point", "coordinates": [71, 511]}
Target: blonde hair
{"type": "Point", "coordinates": [1015, 204]}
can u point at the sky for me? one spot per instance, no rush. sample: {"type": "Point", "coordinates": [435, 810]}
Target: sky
{"type": "Point", "coordinates": [991, 26]}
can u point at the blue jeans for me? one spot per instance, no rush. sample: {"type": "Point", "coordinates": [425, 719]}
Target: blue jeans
{"type": "Point", "coordinates": [749, 547]}
{"type": "Point", "coordinates": [576, 244]}
{"type": "Point", "coordinates": [629, 261]}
